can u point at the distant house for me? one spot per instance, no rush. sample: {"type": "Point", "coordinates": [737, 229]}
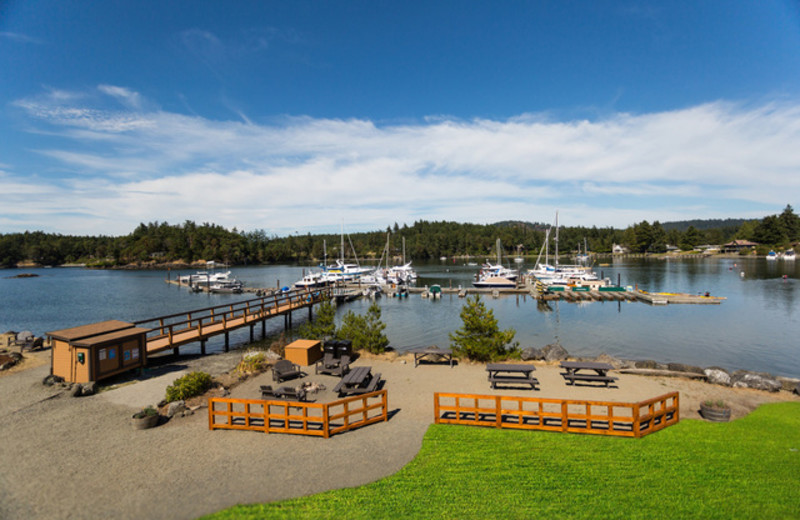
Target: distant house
{"type": "Point", "coordinates": [737, 246]}
{"type": "Point", "coordinates": [619, 250]}
{"type": "Point", "coordinates": [672, 249]}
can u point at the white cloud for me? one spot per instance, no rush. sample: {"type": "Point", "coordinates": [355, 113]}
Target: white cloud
{"type": "Point", "coordinates": [144, 164]}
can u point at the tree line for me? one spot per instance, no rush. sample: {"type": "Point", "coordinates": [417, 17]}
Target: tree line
{"type": "Point", "coordinates": [161, 243]}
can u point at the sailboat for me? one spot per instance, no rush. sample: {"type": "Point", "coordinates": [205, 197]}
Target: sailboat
{"type": "Point", "coordinates": [496, 275]}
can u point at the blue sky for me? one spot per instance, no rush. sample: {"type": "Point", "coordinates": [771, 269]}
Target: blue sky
{"type": "Point", "coordinates": [298, 116]}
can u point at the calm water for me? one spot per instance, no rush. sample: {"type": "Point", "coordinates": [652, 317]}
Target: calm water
{"type": "Point", "coordinates": [756, 328]}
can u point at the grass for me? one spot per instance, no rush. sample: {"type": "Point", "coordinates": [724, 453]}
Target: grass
{"type": "Point", "coordinates": [749, 468]}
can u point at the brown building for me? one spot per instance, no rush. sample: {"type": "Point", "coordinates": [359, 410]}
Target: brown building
{"type": "Point", "coordinates": [97, 351]}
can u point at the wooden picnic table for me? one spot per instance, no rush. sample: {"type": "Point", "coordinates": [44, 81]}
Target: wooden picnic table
{"type": "Point", "coordinates": [577, 370]}
{"type": "Point", "coordinates": [424, 352]}
{"type": "Point", "coordinates": [511, 374]}
{"type": "Point", "coordinates": [359, 380]}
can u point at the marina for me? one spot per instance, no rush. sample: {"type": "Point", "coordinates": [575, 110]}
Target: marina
{"type": "Point", "coordinates": [587, 323]}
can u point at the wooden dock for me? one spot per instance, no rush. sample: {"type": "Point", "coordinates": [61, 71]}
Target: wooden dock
{"type": "Point", "coordinates": [568, 294]}
{"type": "Point", "coordinates": [175, 330]}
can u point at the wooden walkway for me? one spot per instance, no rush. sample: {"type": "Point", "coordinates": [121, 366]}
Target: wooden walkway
{"type": "Point", "coordinates": [176, 330]}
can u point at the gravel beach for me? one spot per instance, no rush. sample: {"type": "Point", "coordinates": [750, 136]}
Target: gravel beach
{"type": "Point", "coordinates": [63, 457]}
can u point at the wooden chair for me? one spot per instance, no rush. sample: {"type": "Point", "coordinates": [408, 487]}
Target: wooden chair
{"type": "Point", "coordinates": [328, 364]}
{"type": "Point", "coordinates": [285, 369]}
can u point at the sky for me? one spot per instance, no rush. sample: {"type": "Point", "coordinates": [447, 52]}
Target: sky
{"type": "Point", "coordinates": [303, 117]}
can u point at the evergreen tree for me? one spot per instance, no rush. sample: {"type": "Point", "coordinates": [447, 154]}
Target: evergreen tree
{"type": "Point", "coordinates": [791, 223]}
{"type": "Point", "coordinates": [480, 339]}
{"type": "Point", "coordinates": [366, 332]}
{"type": "Point", "coordinates": [324, 326]}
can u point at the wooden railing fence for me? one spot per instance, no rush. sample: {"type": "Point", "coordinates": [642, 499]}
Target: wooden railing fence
{"type": "Point", "coordinates": [296, 417]}
{"type": "Point", "coordinates": [563, 415]}
{"type": "Point", "coordinates": [177, 329]}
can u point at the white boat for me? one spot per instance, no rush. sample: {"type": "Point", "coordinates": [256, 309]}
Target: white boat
{"type": "Point", "coordinates": [495, 282]}
{"type": "Point", "coordinates": [789, 254]}
{"type": "Point", "coordinates": [772, 255]}
{"type": "Point", "coordinates": [205, 278]}
{"type": "Point", "coordinates": [229, 287]}
{"type": "Point", "coordinates": [313, 281]}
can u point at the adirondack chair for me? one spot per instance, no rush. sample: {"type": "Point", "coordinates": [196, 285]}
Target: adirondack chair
{"type": "Point", "coordinates": [285, 369]}
{"type": "Point", "coordinates": [328, 364]}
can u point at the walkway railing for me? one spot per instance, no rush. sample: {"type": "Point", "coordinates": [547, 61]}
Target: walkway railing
{"type": "Point", "coordinates": [174, 330]}
{"type": "Point", "coordinates": [295, 417]}
{"type": "Point", "coordinates": [563, 415]}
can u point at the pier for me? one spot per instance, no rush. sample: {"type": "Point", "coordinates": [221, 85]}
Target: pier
{"type": "Point", "coordinates": [175, 330]}
{"type": "Point", "coordinates": [567, 294]}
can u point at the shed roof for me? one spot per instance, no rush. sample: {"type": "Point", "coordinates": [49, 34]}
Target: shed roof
{"type": "Point", "coordinates": [93, 329]}
{"type": "Point", "coordinates": [111, 337]}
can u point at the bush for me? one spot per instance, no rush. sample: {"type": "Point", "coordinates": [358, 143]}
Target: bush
{"type": "Point", "coordinates": [366, 332]}
{"type": "Point", "coordinates": [190, 385]}
{"type": "Point", "coordinates": [253, 362]}
{"type": "Point", "coordinates": [145, 412]}
{"type": "Point", "coordinates": [480, 339]}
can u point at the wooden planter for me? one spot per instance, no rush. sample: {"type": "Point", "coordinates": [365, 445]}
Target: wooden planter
{"type": "Point", "coordinates": [143, 423]}
{"type": "Point", "coordinates": [712, 413]}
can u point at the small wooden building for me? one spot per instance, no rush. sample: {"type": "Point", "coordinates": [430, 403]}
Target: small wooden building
{"type": "Point", "coordinates": [303, 351]}
{"type": "Point", "coordinates": [97, 351]}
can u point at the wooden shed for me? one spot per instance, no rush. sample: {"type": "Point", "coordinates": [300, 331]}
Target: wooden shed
{"type": "Point", "coordinates": [97, 351]}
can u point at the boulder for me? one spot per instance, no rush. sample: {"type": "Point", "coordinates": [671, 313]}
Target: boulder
{"type": "Point", "coordinates": [756, 380]}
{"type": "Point", "coordinates": [175, 408]}
{"type": "Point", "coordinates": [555, 352]}
{"type": "Point", "coordinates": [789, 383]}
{"type": "Point", "coordinates": [718, 376]}
{"type": "Point", "coordinates": [532, 354]}
{"type": "Point", "coordinates": [52, 380]}
{"type": "Point", "coordinates": [611, 360]}
{"type": "Point", "coordinates": [75, 390]}
{"type": "Point", "coordinates": [89, 388]}
{"type": "Point", "coordinates": [680, 367]}
{"type": "Point", "coordinates": [650, 364]}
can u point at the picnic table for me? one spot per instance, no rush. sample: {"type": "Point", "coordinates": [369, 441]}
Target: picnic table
{"type": "Point", "coordinates": [511, 374]}
{"type": "Point", "coordinates": [432, 351]}
{"type": "Point", "coordinates": [577, 371]}
{"type": "Point", "coordinates": [360, 380]}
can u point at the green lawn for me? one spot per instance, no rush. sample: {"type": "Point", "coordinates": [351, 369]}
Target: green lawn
{"type": "Point", "coordinates": [749, 468]}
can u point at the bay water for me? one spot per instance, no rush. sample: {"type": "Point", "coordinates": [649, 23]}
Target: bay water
{"type": "Point", "coordinates": [757, 327]}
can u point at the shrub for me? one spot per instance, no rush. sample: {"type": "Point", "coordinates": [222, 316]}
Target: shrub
{"type": "Point", "coordinates": [479, 338]}
{"type": "Point", "coordinates": [145, 412]}
{"type": "Point", "coordinates": [366, 332]}
{"type": "Point", "coordinates": [252, 362]}
{"type": "Point", "coordinates": [190, 385]}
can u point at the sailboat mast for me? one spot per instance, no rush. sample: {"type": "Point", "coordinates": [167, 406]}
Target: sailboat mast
{"type": "Point", "coordinates": [556, 239]}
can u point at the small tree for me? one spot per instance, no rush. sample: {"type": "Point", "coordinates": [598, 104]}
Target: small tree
{"type": "Point", "coordinates": [480, 339]}
{"type": "Point", "coordinates": [366, 332]}
{"type": "Point", "coordinates": [323, 326]}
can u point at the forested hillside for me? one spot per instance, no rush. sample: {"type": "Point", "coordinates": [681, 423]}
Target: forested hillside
{"type": "Point", "coordinates": [161, 243]}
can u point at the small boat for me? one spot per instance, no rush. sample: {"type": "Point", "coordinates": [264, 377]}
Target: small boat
{"type": "Point", "coordinates": [313, 281]}
{"type": "Point", "coordinates": [772, 255]}
{"type": "Point", "coordinates": [495, 282]}
{"type": "Point", "coordinates": [227, 287]}
{"type": "Point", "coordinates": [789, 254]}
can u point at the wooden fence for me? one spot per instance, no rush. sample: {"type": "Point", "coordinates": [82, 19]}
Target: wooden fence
{"type": "Point", "coordinates": [562, 415]}
{"type": "Point", "coordinates": [295, 417]}
{"type": "Point", "coordinates": [175, 330]}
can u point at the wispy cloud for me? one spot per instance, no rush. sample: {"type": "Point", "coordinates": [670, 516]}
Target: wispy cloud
{"type": "Point", "coordinates": [714, 160]}
{"type": "Point", "coordinates": [20, 38]}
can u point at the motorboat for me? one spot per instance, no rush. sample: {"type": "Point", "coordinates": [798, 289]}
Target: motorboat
{"type": "Point", "coordinates": [772, 255]}
{"type": "Point", "coordinates": [227, 287]}
{"type": "Point", "coordinates": [789, 254]}
{"type": "Point", "coordinates": [313, 281]}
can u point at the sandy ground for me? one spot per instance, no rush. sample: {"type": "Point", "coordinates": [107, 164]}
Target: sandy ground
{"type": "Point", "coordinates": [63, 457]}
